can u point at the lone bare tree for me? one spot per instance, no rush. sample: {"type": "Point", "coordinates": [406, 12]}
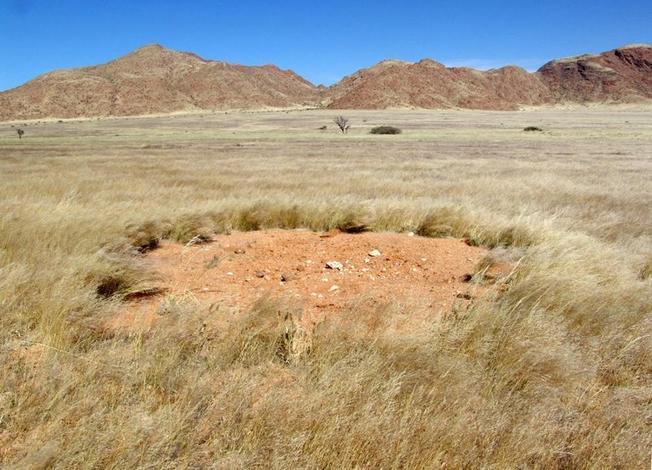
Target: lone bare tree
{"type": "Point", "coordinates": [342, 123]}
{"type": "Point", "coordinates": [20, 133]}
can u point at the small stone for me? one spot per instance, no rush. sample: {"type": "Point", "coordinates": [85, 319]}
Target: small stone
{"type": "Point", "coordinates": [374, 253]}
{"type": "Point", "coordinates": [334, 287]}
{"type": "Point", "coordinates": [260, 274]}
{"type": "Point", "coordinates": [287, 277]}
{"type": "Point", "coordinates": [229, 274]}
{"type": "Point", "coordinates": [335, 265]}
{"type": "Point", "coordinates": [366, 260]}
{"type": "Point", "coordinates": [239, 251]}
{"type": "Point", "coordinates": [410, 234]}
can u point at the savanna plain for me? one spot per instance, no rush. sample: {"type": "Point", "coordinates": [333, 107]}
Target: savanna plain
{"type": "Point", "coordinates": [550, 368]}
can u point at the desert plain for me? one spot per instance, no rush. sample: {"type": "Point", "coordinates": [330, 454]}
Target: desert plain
{"type": "Point", "coordinates": [119, 237]}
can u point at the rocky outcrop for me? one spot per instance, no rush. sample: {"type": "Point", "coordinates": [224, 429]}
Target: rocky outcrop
{"type": "Point", "coordinates": [623, 75]}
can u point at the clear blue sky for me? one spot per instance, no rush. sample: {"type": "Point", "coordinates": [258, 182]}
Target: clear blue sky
{"type": "Point", "coordinates": [321, 40]}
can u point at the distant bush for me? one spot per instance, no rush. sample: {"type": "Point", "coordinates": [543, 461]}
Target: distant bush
{"type": "Point", "coordinates": [342, 123]}
{"type": "Point", "coordinates": [323, 128]}
{"type": "Point", "coordinates": [385, 130]}
{"type": "Point", "coordinates": [533, 129]}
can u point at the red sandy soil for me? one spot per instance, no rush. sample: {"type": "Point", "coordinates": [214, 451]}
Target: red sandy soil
{"type": "Point", "coordinates": [238, 269]}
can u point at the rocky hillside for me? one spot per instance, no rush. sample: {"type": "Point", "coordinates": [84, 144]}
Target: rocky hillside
{"type": "Point", "coordinates": [621, 75]}
{"type": "Point", "coordinates": [158, 80]}
{"type": "Point", "coordinates": [155, 80]}
{"type": "Point", "coordinates": [429, 84]}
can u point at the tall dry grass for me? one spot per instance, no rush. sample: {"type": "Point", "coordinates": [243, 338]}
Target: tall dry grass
{"type": "Point", "coordinates": [553, 374]}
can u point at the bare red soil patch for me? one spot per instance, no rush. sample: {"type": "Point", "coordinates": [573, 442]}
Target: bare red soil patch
{"type": "Point", "coordinates": [376, 268]}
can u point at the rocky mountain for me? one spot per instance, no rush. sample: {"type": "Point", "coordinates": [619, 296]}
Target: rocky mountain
{"type": "Point", "coordinates": [621, 75]}
{"type": "Point", "coordinates": [157, 80]}
{"type": "Point", "coordinates": [429, 84]}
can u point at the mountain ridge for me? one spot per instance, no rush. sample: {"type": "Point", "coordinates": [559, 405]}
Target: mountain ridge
{"type": "Point", "coordinates": [155, 80]}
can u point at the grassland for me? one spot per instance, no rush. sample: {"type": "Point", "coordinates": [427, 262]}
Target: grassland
{"type": "Point", "coordinates": [555, 374]}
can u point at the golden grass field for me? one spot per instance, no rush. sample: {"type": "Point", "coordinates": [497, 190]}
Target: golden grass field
{"type": "Point", "coordinates": [555, 373]}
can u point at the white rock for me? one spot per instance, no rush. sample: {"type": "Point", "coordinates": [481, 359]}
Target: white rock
{"type": "Point", "coordinates": [374, 253]}
{"type": "Point", "coordinates": [410, 234]}
{"type": "Point", "coordinates": [335, 265]}
{"type": "Point", "coordinates": [334, 287]}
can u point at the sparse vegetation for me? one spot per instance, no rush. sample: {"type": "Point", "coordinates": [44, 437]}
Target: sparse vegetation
{"type": "Point", "coordinates": [20, 133]}
{"type": "Point", "coordinates": [342, 123]}
{"type": "Point", "coordinates": [385, 130]}
{"type": "Point", "coordinates": [532, 129]}
{"type": "Point", "coordinates": [553, 372]}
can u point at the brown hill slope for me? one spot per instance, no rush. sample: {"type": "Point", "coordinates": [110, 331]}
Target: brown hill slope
{"type": "Point", "coordinates": [621, 75]}
{"type": "Point", "coordinates": [155, 80]}
{"type": "Point", "coordinates": [429, 84]}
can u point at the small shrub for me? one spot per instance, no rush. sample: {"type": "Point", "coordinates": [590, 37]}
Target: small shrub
{"type": "Point", "coordinates": [532, 129]}
{"type": "Point", "coordinates": [323, 128]}
{"type": "Point", "coordinates": [342, 123]}
{"type": "Point", "coordinates": [385, 130]}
